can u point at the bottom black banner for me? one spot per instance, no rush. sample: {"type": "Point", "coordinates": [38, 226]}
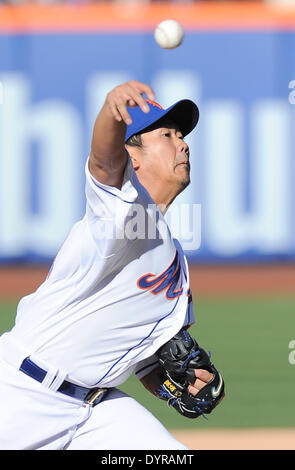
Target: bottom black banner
{"type": "Point", "coordinates": [133, 459]}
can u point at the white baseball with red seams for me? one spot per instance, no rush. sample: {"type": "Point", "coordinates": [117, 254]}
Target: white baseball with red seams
{"type": "Point", "coordinates": [169, 34]}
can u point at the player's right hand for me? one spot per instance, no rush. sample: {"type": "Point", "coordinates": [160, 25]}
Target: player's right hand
{"type": "Point", "coordinates": [128, 94]}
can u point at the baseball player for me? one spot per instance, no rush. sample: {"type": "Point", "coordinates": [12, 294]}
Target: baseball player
{"type": "Point", "coordinates": [116, 300]}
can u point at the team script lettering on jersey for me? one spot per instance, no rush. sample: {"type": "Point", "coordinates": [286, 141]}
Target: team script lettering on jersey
{"type": "Point", "coordinates": [167, 280]}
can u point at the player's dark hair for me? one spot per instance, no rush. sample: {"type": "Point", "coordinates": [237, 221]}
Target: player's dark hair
{"type": "Point", "coordinates": [135, 141]}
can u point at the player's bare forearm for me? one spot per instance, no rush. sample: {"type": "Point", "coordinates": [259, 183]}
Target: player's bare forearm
{"type": "Point", "coordinates": [108, 155]}
{"type": "Point", "coordinates": [152, 381]}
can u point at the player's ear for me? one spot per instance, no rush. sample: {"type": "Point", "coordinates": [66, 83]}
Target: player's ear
{"type": "Point", "coordinates": [135, 163]}
{"type": "Point", "coordinates": [132, 150]}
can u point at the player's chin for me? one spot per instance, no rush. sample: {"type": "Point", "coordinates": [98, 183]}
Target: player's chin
{"type": "Point", "coordinates": [183, 175]}
{"type": "Point", "coordinates": [184, 182]}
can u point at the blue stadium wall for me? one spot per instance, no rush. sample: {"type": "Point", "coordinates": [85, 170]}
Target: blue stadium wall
{"type": "Point", "coordinates": [240, 206]}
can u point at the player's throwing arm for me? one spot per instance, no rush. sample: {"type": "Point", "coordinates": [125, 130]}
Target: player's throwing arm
{"type": "Point", "coordinates": [108, 156]}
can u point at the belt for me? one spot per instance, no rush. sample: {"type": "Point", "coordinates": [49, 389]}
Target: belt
{"type": "Point", "coordinates": [92, 396]}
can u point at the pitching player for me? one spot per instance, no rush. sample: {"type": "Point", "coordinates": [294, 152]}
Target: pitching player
{"type": "Point", "coordinates": [113, 303]}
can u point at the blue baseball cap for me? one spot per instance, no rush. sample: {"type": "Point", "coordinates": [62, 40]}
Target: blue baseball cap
{"type": "Point", "coordinates": [184, 113]}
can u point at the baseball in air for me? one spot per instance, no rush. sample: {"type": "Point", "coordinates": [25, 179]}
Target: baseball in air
{"type": "Point", "coordinates": [169, 34]}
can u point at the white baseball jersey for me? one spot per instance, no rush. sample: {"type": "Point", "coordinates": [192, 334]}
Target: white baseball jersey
{"type": "Point", "coordinates": [117, 290]}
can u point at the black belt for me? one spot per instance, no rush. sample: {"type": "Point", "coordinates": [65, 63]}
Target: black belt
{"type": "Point", "coordinates": [91, 396]}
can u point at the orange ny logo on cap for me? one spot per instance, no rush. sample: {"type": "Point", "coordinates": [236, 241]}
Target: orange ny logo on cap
{"type": "Point", "coordinates": [154, 103]}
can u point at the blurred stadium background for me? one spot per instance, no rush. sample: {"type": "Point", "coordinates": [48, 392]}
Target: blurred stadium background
{"type": "Point", "coordinates": [57, 62]}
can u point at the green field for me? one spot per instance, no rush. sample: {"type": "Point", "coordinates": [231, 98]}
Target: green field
{"type": "Point", "coordinates": [249, 341]}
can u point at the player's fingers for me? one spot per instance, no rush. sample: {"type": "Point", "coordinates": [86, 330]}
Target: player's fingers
{"type": "Point", "coordinates": [196, 386]}
{"type": "Point", "coordinates": [122, 109]}
{"type": "Point", "coordinates": [135, 99]}
{"type": "Point", "coordinates": [118, 108]}
{"type": "Point", "coordinates": [202, 378]}
{"type": "Point", "coordinates": [203, 375]}
{"type": "Point", "coordinates": [138, 99]}
{"type": "Point", "coordinates": [129, 94]}
{"type": "Point", "coordinates": [115, 112]}
{"type": "Point", "coordinates": [131, 103]}
{"type": "Point", "coordinates": [144, 88]}
{"type": "Point", "coordinates": [118, 100]}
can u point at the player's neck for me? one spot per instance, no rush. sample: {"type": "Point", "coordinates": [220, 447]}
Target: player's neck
{"type": "Point", "coordinates": [162, 195]}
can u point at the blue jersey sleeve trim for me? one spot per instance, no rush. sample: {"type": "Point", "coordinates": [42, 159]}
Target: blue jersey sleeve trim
{"type": "Point", "coordinates": [110, 192]}
{"type": "Point", "coordinates": [128, 178]}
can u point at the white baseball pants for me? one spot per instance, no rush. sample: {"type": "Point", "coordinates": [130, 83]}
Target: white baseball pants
{"type": "Point", "coordinates": [34, 417]}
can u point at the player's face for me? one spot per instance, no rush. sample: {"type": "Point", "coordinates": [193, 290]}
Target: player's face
{"type": "Point", "coordinates": [165, 156]}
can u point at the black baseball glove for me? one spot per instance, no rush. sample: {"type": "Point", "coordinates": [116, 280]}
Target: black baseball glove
{"type": "Point", "coordinates": [178, 358]}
